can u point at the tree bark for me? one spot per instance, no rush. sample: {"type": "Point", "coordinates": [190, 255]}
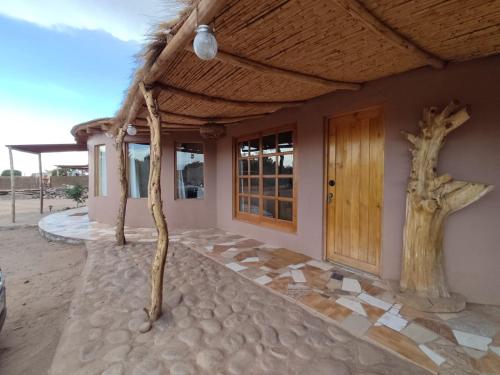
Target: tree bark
{"type": "Point", "coordinates": [122, 208]}
{"type": "Point", "coordinates": [156, 206]}
{"type": "Point", "coordinates": [12, 186]}
{"type": "Point", "coordinates": [430, 199]}
{"type": "Point", "coordinates": [41, 181]}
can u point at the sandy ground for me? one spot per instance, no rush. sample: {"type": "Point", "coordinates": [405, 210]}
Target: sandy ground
{"type": "Point", "coordinates": [28, 210]}
{"type": "Point", "coordinates": [40, 280]}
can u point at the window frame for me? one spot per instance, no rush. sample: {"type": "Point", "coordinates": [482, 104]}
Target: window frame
{"type": "Point", "coordinates": [176, 197]}
{"type": "Point", "coordinates": [97, 170]}
{"type": "Point", "coordinates": [260, 219]}
{"type": "Point", "coordinates": [127, 169]}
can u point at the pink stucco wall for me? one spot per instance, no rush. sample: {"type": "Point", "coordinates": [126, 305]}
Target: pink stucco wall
{"type": "Point", "coordinates": [472, 237]}
{"type": "Point", "coordinates": [472, 152]}
{"type": "Point", "coordinates": [180, 212]}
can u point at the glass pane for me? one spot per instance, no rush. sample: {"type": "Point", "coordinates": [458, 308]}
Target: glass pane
{"type": "Point", "coordinates": [254, 186]}
{"type": "Point", "coordinates": [243, 147]}
{"type": "Point", "coordinates": [243, 185]}
{"type": "Point", "coordinates": [102, 179]}
{"type": "Point", "coordinates": [285, 142]}
{"type": "Point", "coordinates": [254, 205]}
{"type": "Point", "coordinates": [269, 165]}
{"type": "Point", "coordinates": [269, 208]}
{"type": "Point", "coordinates": [138, 170]}
{"type": "Point", "coordinates": [254, 147]}
{"type": "Point", "coordinates": [243, 167]}
{"type": "Point", "coordinates": [189, 172]}
{"type": "Point", "coordinates": [285, 187]}
{"type": "Point", "coordinates": [285, 164]}
{"type": "Point", "coordinates": [269, 186]}
{"type": "Point", "coordinates": [285, 210]}
{"type": "Point", "coordinates": [243, 204]}
{"type": "Point", "coordinates": [269, 144]}
{"type": "Point", "coordinates": [254, 166]}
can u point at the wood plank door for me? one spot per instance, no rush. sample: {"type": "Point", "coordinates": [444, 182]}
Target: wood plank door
{"type": "Point", "coordinates": [355, 189]}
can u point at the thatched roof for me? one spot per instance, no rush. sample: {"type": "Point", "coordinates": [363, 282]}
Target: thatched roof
{"type": "Point", "coordinates": [280, 53]}
{"type": "Point", "coordinates": [82, 131]}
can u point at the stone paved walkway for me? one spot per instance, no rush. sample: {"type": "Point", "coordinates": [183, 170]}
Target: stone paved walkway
{"type": "Point", "coordinates": [215, 323]}
{"type": "Point", "coordinates": [463, 343]}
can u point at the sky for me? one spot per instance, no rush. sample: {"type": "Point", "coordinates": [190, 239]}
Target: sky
{"type": "Point", "coordinates": [63, 62]}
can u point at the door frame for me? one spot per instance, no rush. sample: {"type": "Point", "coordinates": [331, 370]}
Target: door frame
{"type": "Point", "coordinates": [326, 154]}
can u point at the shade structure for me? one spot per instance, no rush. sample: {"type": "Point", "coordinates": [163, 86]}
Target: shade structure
{"type": "Point", "coordinates": [276, 54]}
{"type": "Point", "coordinates": [49, 147]}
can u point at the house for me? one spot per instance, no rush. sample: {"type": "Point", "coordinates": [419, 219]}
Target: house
{"type": "Point", "coordinates": [312, 97]}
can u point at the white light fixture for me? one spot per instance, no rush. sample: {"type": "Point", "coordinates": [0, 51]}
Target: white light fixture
{"type": "Point", "coordinates": [204, 43]}
{"type": "Point", "coordinates": [131, 129]}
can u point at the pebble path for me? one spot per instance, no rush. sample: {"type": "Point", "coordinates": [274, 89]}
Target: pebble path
{"type": "Point", "coordinates": [214, 322]}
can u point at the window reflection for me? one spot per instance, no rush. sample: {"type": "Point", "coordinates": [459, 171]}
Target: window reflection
{"type": "Point", "coordinates": [285, 164]}
{"type": "Point", "coordinates": [189, 171]}
{"type": "Point", "coordinates": [138, 169]}
{"type": "Point", "coordinates": [101, 175]}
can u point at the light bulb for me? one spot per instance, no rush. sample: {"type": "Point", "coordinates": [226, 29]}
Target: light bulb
{"type": "Point", "coordinates": [204, 43]}
{"type": "Point", "coordinates": [131, 130]}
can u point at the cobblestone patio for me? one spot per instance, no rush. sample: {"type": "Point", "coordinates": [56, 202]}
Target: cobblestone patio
{"type": "Point", "coordinates": [359, 304]}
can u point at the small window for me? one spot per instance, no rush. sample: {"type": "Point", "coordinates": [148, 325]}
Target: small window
{"type": "Point", "coordinates": [138, 170]}
{"type": "Point", "coordinates": [101, 177]}
{"type": "Point", "coordinates": [189, 171]}
{"type": "Point", "coordinates": [265, 178]}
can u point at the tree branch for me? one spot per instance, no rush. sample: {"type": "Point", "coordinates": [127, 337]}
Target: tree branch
{"type": "Point", "coordinates": [459, 194]}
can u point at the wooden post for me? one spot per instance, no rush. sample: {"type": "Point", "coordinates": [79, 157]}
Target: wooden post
{"type": "Point", "coordinates": [41, 181]}
{"type": "Point", "coordinates": [430, 199]}
{"type": "Point", "coordinates": [156, 205]}
{"type": "Point", "coordinates": [122, 208]}
{"type": "Point", "coordinates": [12, 186]}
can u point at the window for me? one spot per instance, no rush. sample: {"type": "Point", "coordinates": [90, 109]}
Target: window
{"type": "Point", "coordinates": [189, 175]}
{"type": "Point", "coordinates": [101, 178]}
{"type": "Point", "coordinates": [265, 184]}
{"type": "Point", "coordinates": [138, 170]}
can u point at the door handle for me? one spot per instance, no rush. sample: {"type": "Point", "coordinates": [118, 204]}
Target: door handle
{"type": "Point", "coordinates": [329, 198]}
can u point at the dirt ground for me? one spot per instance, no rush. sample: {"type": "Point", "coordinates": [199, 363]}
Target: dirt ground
{"type": "Point", "coordinates": [28, 209]}
{"type": "Point", "coordinates": [40, 279]}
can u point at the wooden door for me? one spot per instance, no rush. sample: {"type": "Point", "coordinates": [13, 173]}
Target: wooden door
{"type": "Point", "coordinates": [355, 188]}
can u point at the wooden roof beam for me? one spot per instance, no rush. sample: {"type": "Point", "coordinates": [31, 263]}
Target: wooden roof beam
{"type": "Point", "coordinates": [224, 101]}
{"type": "Point", "coordinates": [359, 12]}
{"type": "Point", "coordinates": [217, 120]}
{"type": "Point", "coordinates": [242, 62]}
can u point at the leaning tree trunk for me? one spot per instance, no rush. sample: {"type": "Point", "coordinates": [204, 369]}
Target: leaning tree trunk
{"type": "Point", "coordinates": [156, 206]}
{"type": "Point", "coordinates": [122, 208]}
{"type": "Point", "coordinates": [430, 199]}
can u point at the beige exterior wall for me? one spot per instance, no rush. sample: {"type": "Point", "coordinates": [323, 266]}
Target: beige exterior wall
{"type": "Point", "coordinates": [179, 212]}
{"type": "Point", "coordinates": [471, 153]}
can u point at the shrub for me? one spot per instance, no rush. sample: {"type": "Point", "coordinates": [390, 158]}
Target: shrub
{"type": "Point", "coordinates": [77, 193]}
{"type": "Point", "coordinates": [6, 172]}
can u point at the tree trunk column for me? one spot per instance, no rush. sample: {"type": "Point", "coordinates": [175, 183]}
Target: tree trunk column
{"type": "Point", "coordinates": [12, 186]}
{"type": "Point", "coordinates": [122, 207]}
{"type": "Point", "coordinates": [41, 181]}
{"type": "Point", "coordinates": [156, 206]}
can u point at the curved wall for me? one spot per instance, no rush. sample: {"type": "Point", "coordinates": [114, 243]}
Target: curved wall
{"type": "Point", "coordinates": [178, 212]}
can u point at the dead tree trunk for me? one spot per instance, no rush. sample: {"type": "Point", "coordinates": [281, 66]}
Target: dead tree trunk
{"type": "Point", "coordinates": [430, 199]}
{"type": "Point", "coordinates": [122, 208]}
{"type": "Point", "coordinates": [156, 205]}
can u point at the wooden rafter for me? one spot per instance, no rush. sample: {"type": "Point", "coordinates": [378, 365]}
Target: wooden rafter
{"type": "Point", "coordinates": [203, 13]}
{"type": "Point", "coordinates": [359, 12]}
{"type": "Point", "coordinates": [224, 101]}
{"type": "Point", "coordinates": [215, 119]}
{"type": "Point", "coordinates": [245, 63]}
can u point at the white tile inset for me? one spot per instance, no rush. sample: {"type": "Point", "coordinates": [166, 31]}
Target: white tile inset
{"type": "Point", "coordinates": [472, 341]}
{"type": "Point", "coordinates": [374, 301]}
{"type": "Point", "coordinates": [263, 280]}
{"type": "Point", "coordinates": [435, 357]}
{"type": "Point", "coordinates": [250, 260]}
{"type": "Point", "coordinates": [351, 285]}
{"type": "Point", "coordinates": [393, 321]}
{"type": "Point", "coordinates": [236, 267]}
{"type": "Point", "coordinates": [298, 276]}
{"type": "Point", "coordinates": [296, 266]}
